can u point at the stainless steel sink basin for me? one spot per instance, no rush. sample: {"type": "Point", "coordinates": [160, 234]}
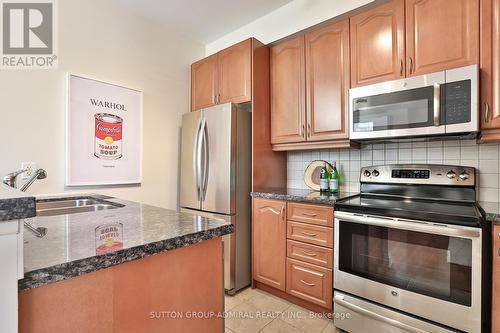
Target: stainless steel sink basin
{"type": "Point", "coordinates": [63, 206]}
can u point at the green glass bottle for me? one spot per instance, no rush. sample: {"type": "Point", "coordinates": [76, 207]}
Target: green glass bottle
{"type": "Point", "coordinates": [334, 179]}
{"type": "Point", "coordinates": [324, 179]}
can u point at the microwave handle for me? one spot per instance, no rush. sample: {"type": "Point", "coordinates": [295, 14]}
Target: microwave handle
{"type": "Point", "coordinates": [437, 104]}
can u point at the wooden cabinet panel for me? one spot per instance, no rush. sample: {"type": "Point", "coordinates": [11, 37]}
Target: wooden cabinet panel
{"type": "Point", "coordinates": [311, 234]}
{"type": "Point", "coordinates": [309, 282]}
{"type": "Point", "coordinates": [204, 79]}
{"type": "Point", "coordinates": [496, 280]}
{"type": "Point", "coordinates": [490, 71]}
{"type": "Point", "coordinates": [313, 214]}
{"type": "Point", "coordinates": [327, 82]}
{"type": "Point", "coordinates": [378, 44]}
{"type": "Point", "coordinates": [441, 34]}
{"type": "Point", "coordinates": [235, 73]}
{"type": "Point", "coordinates": [288, 116]}
{"type": "Point", "coordinates": [269, 242]}
{"type": "Point", "coordinates": [313, 254]}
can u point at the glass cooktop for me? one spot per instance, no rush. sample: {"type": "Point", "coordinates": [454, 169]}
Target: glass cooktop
{"type": "Point", "coordinates": [457, 213]}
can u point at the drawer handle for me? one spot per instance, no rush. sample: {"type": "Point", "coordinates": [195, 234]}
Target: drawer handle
{"type": "Point", "coordinates": [308, 234]}
{"type": "Point", "coordinates": [310, 214]}
{"type": "Point", "coordinates": [308, 283]}
{"type": "Point", "coordinates": [309, 254]}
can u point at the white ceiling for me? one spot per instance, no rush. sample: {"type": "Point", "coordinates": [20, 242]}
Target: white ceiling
{"type": "Point", "coordinates": [204, 20]}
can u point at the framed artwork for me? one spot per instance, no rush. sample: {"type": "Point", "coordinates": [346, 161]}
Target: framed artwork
{"type": "Point", "coordinates": [103, 133]}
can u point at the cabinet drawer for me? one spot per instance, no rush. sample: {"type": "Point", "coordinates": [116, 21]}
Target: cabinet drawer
{"type": "Point", "coordinates": [311, 234]}
{"type": "Point", "coordinates": [313, 214]}
{"type": "Point", "coordinates": [313, 254]}
{"type": "Point", "coordinates": [309, 282]}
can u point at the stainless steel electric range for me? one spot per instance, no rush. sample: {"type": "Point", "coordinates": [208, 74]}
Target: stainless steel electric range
{"type": "Point", "coordinates": [410, 255]}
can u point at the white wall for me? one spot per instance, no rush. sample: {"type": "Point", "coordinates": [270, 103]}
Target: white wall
{"type": "Point", "coordinates": [101, 39]}
{"type": "Point", "coordinates": [286, 20]}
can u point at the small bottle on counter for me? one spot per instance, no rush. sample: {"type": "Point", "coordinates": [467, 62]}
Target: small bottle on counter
{"type": "Point", "coordinates": [324, 179]}
{"type": "Point", "coordinates": [334, 179]}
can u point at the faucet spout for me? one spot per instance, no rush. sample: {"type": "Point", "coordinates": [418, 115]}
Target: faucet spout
{"type": "Point", "coordinates": [38, 174]}
{"type": "Point", "coordinates": [11, 178]}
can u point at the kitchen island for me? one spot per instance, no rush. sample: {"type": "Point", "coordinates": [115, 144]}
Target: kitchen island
{"type": "Point", "coordinates": [135, 268]}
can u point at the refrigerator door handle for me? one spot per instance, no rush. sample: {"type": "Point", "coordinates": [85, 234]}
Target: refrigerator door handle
{"type": "Point", "coordinates": [206, 160]}
{"type": "Point", "coordinates": [197, 159]}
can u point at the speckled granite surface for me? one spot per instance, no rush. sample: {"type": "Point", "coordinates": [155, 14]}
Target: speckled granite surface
{"type": "Point", "coordinates": [492, 210]}
{"type": "Point", "coordinates": [82, 243]}
{"type": "Point", "coordinates": [15, 204]}
{"type": "Point", "coordinates": [300, 195]}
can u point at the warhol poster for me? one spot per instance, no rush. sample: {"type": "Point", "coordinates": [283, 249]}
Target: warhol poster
{"type": "Point", "coordinates": [104, 133]}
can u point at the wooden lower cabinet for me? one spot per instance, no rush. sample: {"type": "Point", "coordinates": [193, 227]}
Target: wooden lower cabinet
{"type": "Point", "coordinates": [269, 242]}
{"type": "Point", "coordinates": [311, 234]}
{"type": "Point", "coordinates": [291, 259]}
{"type": "Point", "coordinates": [309, 282]}
{"type": "Point", "coordinates": [496, 280]}
{"type": "Point", "coordinates": [312, 254]}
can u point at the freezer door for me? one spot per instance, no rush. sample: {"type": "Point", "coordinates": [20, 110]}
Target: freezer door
{"type": "Point", "coordinates": [190, 160]}
{"type": "Point", "coordinates": [218, 151]}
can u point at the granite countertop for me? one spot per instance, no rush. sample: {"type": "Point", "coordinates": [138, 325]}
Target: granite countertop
{"type": "Point", "coordinates": [76, 244]}
{"type": "Point", "coordinates": [492, 210]}
{"type": "Point", "coordinates": [300, 195]}
{"type": "Point", "coordinates": [15, 204]}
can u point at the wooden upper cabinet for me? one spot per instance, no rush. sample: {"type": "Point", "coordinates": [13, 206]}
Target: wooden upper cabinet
{"type": "Point", "coordinates": [378, 44]}
{"type": "Point", "coordinates": [496, 279]}
{"type": "Point", "coordinates": [288, 109]}
{"type": "Point", "coordinates": [235, 73]}
{"type": "Point", "coordinates": [204, 79]}
{"type": "Point", "coordinates": [223, 77]}
{"type": "Point", "coordinates": [441, 34]}
{"type": "Point", "coordinates": [327, 82]}
{"type": "Point", "coordinates": [490, 71]}
{"type": "Point", "coordinates": [269, 242]}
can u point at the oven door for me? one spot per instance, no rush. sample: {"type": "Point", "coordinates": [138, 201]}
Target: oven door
{"type": "Point", "coordinates": [411, 266]}
{"type": "Point", "coordinates": [400, 108]}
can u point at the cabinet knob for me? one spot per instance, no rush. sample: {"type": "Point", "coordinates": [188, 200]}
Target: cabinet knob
{"type": "Point", "coordinates": [411, 65]}
{"type": "Point", "coordinates": [486, 112]}
{"type": "Point", "coordinates": [401, 65]}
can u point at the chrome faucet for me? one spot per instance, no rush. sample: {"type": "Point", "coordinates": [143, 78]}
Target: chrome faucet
{"type": "Point", "coordinates": [11, 178]}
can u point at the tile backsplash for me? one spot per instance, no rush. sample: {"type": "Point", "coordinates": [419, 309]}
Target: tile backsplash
{"type": "Point", "coordinates": [484, 157]}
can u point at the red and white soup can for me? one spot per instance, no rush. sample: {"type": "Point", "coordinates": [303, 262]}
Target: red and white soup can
{"type": "Point", "coordinates": [108, 136]}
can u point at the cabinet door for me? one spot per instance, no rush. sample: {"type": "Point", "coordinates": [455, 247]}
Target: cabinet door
{"type": "Point", "coordinates": [269, 242]}
{"type": "Point", "coordinates": [288, 116]}
{"type": "Point", "coordinates": [327, 82]}
{"type": "Point", "coordinates": [490, 66]}
{"type": "Point", "coordinates": [441, 34]}
{"type": "Point", "coordinates": [204, 88]}
{"type": "Point", "coordinates": [378, 44]}
{"type": "Point", "coordinates": [496, 279]}
{"type": "Point", "coordinates": [235, 73]}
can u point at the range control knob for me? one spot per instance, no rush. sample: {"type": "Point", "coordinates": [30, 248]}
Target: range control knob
{"type": "Point", "coordinates": [367, 173]}
{"type": "Point", "coordinates": [375, 173]}
{"type": "Point", "coordinates": [464, 175]}
{"type": "Point", "coordinates": [451, 174]}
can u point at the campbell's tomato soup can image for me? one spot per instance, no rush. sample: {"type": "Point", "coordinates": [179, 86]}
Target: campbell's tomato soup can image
{"type": "Point", "coordinates": [108, 136]}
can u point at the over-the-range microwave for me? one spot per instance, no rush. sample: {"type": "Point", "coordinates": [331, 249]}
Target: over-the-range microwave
{"type": "Point", "coordinates": [436, 104]}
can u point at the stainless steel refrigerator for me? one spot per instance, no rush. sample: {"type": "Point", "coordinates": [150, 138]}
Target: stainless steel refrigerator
{"type": "Point", "coordinates": [216, 180]}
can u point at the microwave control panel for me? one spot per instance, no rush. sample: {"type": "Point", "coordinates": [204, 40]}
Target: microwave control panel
{"type": "Point", "coordinates": [456, 102]}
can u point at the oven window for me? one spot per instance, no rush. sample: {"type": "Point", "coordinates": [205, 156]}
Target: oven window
{"type": "Point", "coordinates": [399, 110]}
{"type": "Point", "coordinates": [431, 265]}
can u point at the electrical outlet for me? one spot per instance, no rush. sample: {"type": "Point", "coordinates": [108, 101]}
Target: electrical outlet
{"type": "Point", "coordinates": [31, 166]}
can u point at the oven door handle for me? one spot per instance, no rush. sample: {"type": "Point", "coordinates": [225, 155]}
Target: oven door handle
{"type": "Point", "coordinates": [409, 225]}
{"type": "Point", "coordinates": [395, 323]}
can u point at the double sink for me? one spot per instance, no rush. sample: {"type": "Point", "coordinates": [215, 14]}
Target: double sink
{"type": "Point", "coordinates": [67, 205]}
